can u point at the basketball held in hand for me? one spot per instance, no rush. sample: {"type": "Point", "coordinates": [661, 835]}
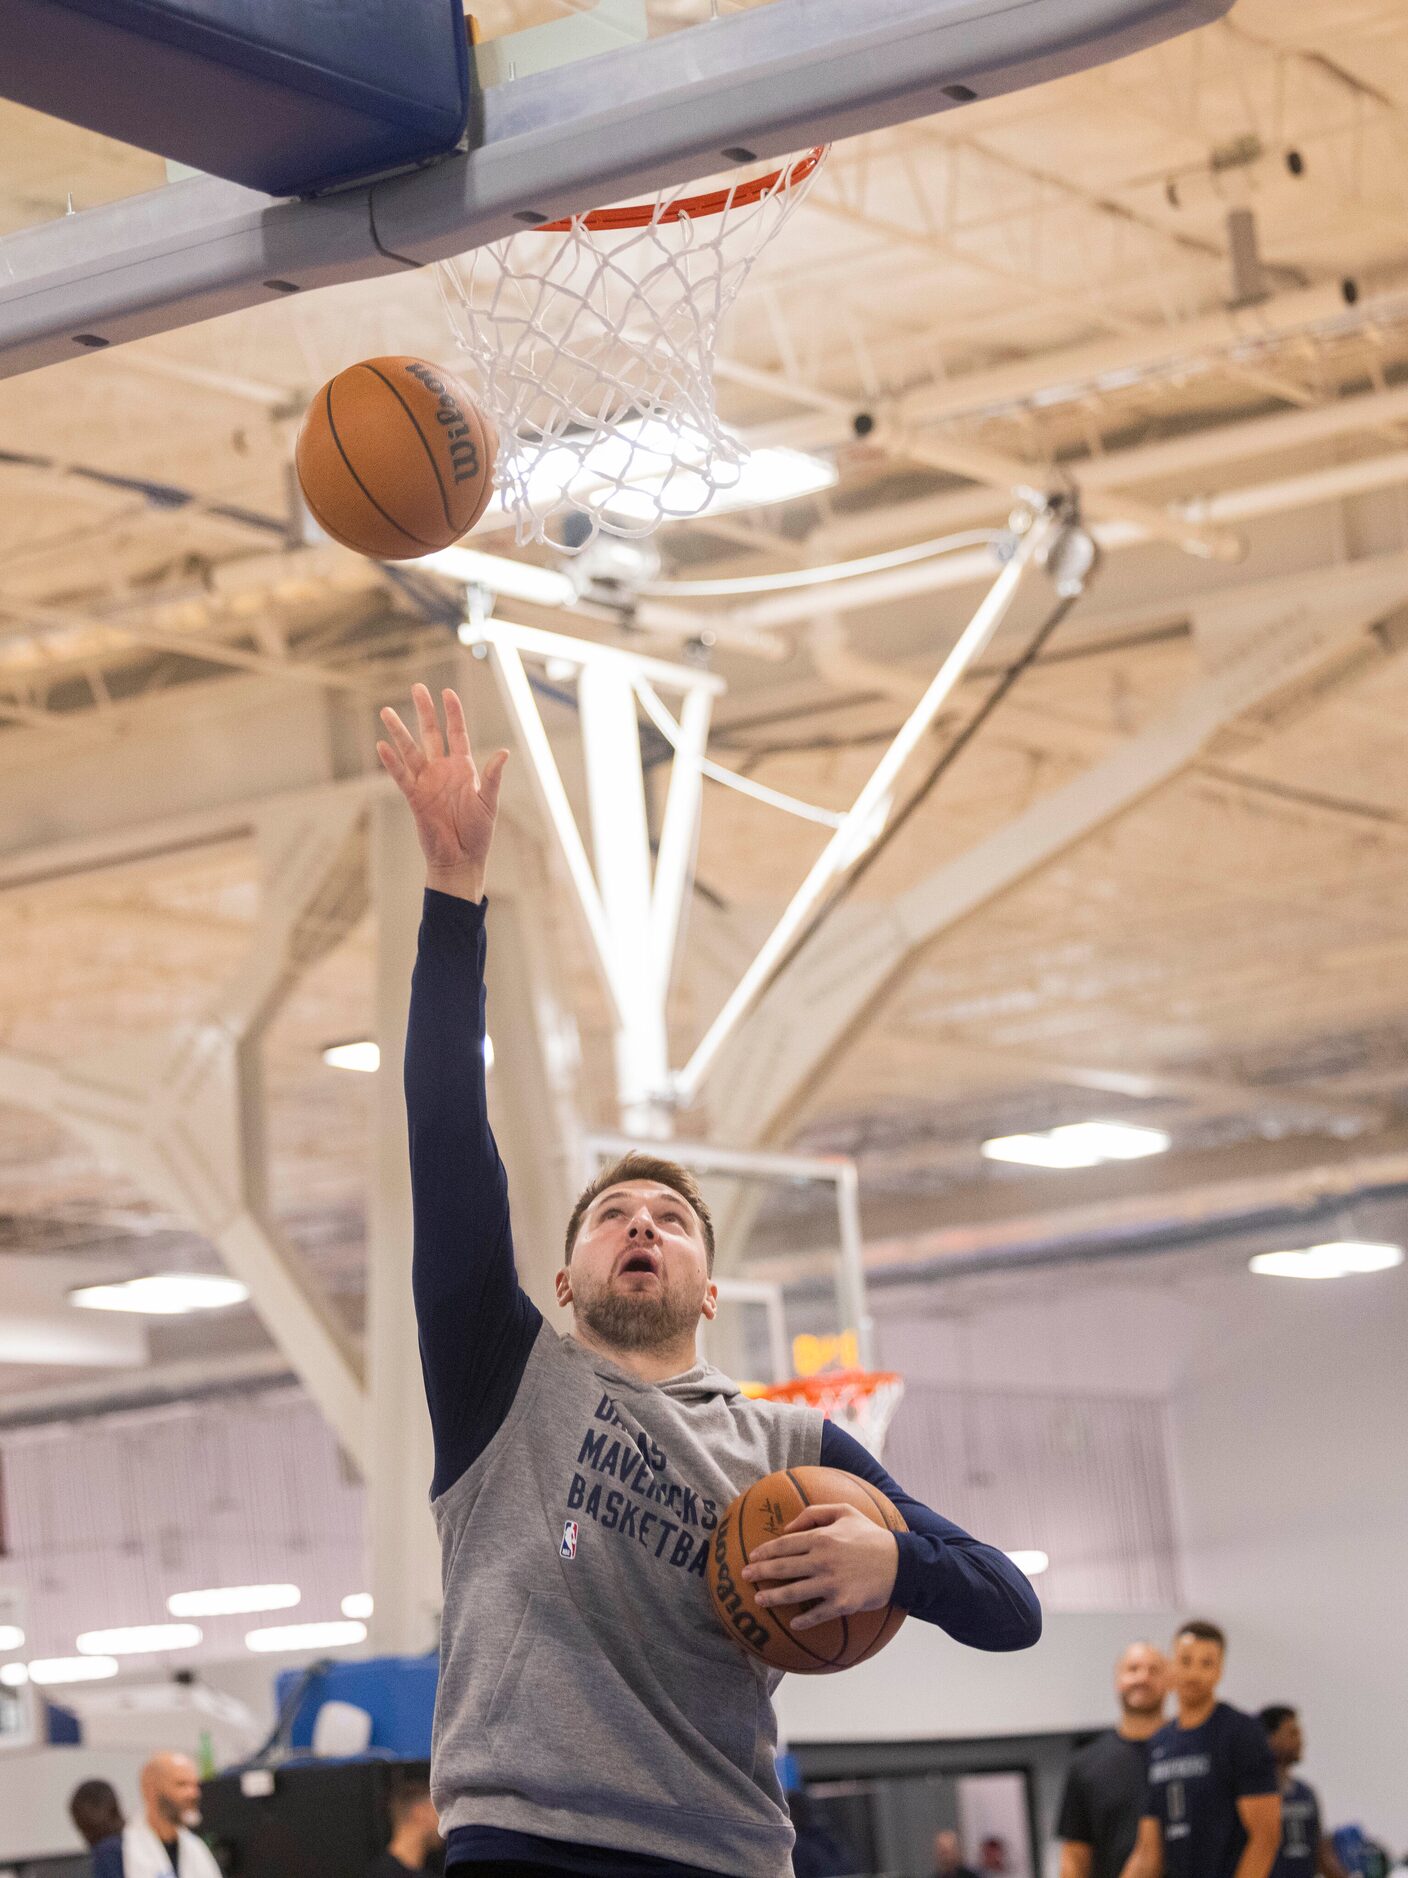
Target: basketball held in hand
{"type": "Point", "coordinates": [764, 1512]}
{"type": "Point", "coordinates": [395, 459]}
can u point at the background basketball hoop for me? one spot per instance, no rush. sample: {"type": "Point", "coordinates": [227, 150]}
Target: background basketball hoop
{"type": "Point", "coordinates": [861, 1401]}
{"type": "Point", "coordinates": [592, 343]}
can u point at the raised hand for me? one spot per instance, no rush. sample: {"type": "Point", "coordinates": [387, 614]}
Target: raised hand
{"type": "Point", "coordinates": [454, 804]}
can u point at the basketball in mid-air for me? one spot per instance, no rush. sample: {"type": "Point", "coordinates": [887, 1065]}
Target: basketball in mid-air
{"type": "Point", "coordinates": [395, 459]}
{"type": "Point", "coordinates": [762, 1513]}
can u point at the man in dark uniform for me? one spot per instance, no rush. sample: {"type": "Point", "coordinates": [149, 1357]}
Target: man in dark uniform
{"type": "Point", "coordinates": [1104, 1797]}
{"type": "Point", "coordinates": [1214, 1807]}
{"type": "Point", "coordinates": [1306, 1850]}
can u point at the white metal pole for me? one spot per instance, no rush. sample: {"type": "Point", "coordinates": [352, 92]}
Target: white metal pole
{"type": "Point", "coordinates": [841, 850]}
{"type": "Point", "coordinates": [850, 1274]}
{"type": "Point", "coordinates": [621, 844]}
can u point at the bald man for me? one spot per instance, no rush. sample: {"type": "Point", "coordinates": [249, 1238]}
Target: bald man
{"type": "Point", "coordinates": [161, 1842]}
{"type": "Point", "coordinates": [1104, 1795]}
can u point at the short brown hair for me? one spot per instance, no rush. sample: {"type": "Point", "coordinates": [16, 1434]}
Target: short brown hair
{"type": "Point", "coordinates": [1205, 1632]}
{"type": "Point", "coordinates": [640, 1166]}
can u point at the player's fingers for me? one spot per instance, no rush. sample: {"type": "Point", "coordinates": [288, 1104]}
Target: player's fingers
{"type": "Point", "coordinates": [825, 1612]}
{"type": "Point", "coordinates": [813, 1516]}
{"type": "Point", "coordinates": [800, 1591]}
{"type": "Point", "coordinates": [758, 1570]}
{"type": "Point", "coordinates": [778, 1548]}
{"type": "Point", "coordinates": [407, 748]}
{"type": "Point", "coordinates": [392, 764]}
{"type": "Point", "coordinates": [490, 780]}
{"type": "Point", "coordinates": [456, 729]}
{"type": "Point", "coordinates": [430, 738]}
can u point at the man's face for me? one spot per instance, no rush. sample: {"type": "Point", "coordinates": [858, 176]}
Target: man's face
{"type": "Point", "coordinates": [947, 1851]}
{"type": "Point", "coordinates": [1141, 1680]}
{"type": "Point", "coordinates": [178, 1791]}
{"type": "Point", "coordinates": [1287, 1742]}
{"type": "Point", "coordinates": [639, 1274]}
{"type": "Point", "coordinates": [1197, 1669]}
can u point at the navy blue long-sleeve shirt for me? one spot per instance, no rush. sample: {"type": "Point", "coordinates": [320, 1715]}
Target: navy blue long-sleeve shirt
{"type": "Point", "coordinates": [477, 1325]}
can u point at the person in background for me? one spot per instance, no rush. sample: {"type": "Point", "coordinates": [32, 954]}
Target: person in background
{"type": "Point", "coordinates": [1104, 1798]}
{"type": "Point", "coordinates": [1305, 1847]}
{"type": "Point", "coordinates": [948, 1857]}
{"type": "Point", "coordinates": [1214, 1807]}
{"type": "Point", "coordinates": [163, 1841]}
{"type": "Point", "coordinates": [95, 1810]}
{"type": "Point", "coordinates": [993, 1855]}
{"type": "Point", "coordinates": [415, 1830]}
{"type": "Point", "coordinates": [818, 1852]}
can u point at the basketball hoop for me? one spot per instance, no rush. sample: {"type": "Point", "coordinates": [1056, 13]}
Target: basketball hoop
{"type": "Point", "coordinates": [861, 1401]}
{"type": "Point", "coordinates": [592, 342]}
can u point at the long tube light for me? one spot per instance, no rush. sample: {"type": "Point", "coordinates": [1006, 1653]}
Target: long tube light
{"type": "Point", "coordinates": [233, 1600]}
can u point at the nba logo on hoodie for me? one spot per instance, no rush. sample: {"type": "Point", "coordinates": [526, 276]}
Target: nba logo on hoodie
{"type": "Point", "coordinates": [569, 1538]}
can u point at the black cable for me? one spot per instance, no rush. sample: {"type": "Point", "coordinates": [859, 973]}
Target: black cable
{"type": "Point", "coordinates": [937, 772]}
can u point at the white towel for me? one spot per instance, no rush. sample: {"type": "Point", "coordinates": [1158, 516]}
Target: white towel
{"type": "Point", "coordinates": [144, 1856]}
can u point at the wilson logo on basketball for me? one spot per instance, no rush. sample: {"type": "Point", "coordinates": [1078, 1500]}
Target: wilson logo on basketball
{"type": "Point", "coordinates": [464, 454]}
{"type": "Point", "coordinates": [728, 1600]}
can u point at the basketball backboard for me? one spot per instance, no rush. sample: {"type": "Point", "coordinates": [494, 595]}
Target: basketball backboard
{"type": "Point", "coordinates": [707, 88]}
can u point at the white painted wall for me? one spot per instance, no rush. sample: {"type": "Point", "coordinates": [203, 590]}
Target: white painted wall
{"type": "Point", "coordinates": [34, 1787]}
{"type": "Point", "coordinates": [1288, 1410]}
{"type": "Point", "coordinates": [1290, 1435]}
{"type": "Point", "coordinates": [926, 1687]}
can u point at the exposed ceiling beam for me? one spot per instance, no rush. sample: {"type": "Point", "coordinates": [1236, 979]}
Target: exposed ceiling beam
{"type": "Point", "coordinates": [846, 969]}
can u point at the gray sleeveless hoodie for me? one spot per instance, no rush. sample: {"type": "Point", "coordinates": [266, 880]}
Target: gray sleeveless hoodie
{"type": "Point", "coordinates": [587, 1690]}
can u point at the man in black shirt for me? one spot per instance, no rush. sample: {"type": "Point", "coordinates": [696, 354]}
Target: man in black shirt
{"type": "Point", "coordinates": [948, 1857]}
{"type": "Point", "coordinates": [1104, 1797]}
{"type": "Point", "coordinates": [1214, 1807]}
{"type": "Point", "coordinates": [1306, 1850]}
{"type": "Point", "coordinates": [415, 1831]}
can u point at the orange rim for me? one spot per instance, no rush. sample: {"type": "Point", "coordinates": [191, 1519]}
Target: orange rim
{"type": "Point", "coordinates": [831, 1385]}
{"type": "Point", "coordinates": [689, 208]}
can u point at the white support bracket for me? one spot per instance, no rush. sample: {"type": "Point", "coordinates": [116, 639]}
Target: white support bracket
{"type": "Point", "coordinates": [630, 913]}
{"type": "Point", "coordinates": [182, 1113]}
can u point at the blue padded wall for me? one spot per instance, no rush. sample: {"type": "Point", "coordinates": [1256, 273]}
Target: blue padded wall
{"type": "Point", "coordinates": [285, 96]}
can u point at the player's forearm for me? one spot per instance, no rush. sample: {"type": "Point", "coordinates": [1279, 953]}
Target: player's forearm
{"type": "Point", "coordinates": [1258, 1855]}
{"type": "Point", "coordinates": [1076, 1860]}
{"type": "Point", "coordinates": [465, 882]}
{"type": "Point", "coordinates": [459, 1191]}
{"type": "Point", "coordinates": [945, 1576]}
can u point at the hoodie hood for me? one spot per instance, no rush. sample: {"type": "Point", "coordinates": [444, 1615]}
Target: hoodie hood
{"type": "Point", "coordinates": [702, 1383]}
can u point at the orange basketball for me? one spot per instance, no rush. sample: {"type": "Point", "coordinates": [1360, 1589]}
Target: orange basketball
{"type": "Point", "coordinates": [761, 1514]}
{"type": "Point", "coordinates": [395, 459]}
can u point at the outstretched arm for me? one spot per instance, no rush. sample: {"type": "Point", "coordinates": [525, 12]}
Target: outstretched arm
{"type": "Point", "coordinates": [476, 1324]}
{"type": "Point", "coordinates": [935, 1571]}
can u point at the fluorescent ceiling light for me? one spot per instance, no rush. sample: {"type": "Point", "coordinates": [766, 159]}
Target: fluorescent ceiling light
{"type": "Point", "coordinates": [331, 1636]}
{"type": "Point", "coordinates": [767, 476]}
{"type": "Point", "coordinates": [164, 1294]}
{"type": "Point", "coordinates": [1078, 1144]}
{"type": "Point", "coordinates": [54, 1669]}
{"type": "Point", "coordinates": [1032, 1563]}
{"type": "Point", "coordinates": [366, 1056]}
{"type": "Point", "coordinates": [518, 580]}
{"type": "Point", "coordinates": [139, 1639]}
{"type": "Point", "coordinates": [233, 1600]}
{"type": "Point", "coordinates": [14, 1675]}
{"type": "Point", "coordinates": [653, 462]}
{"type": "Point", "coordinates": [357, 1604]}
{"type": "Point", "coordinates": [1338, 1258]}
{"type": "Point", "coordinates": [11, 1637]}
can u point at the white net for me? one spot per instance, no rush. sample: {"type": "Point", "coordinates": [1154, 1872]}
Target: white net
{"type": "Point", "coordinates": [863, 1402]}
{"type": "Point", "coordinates": [592, 345]}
